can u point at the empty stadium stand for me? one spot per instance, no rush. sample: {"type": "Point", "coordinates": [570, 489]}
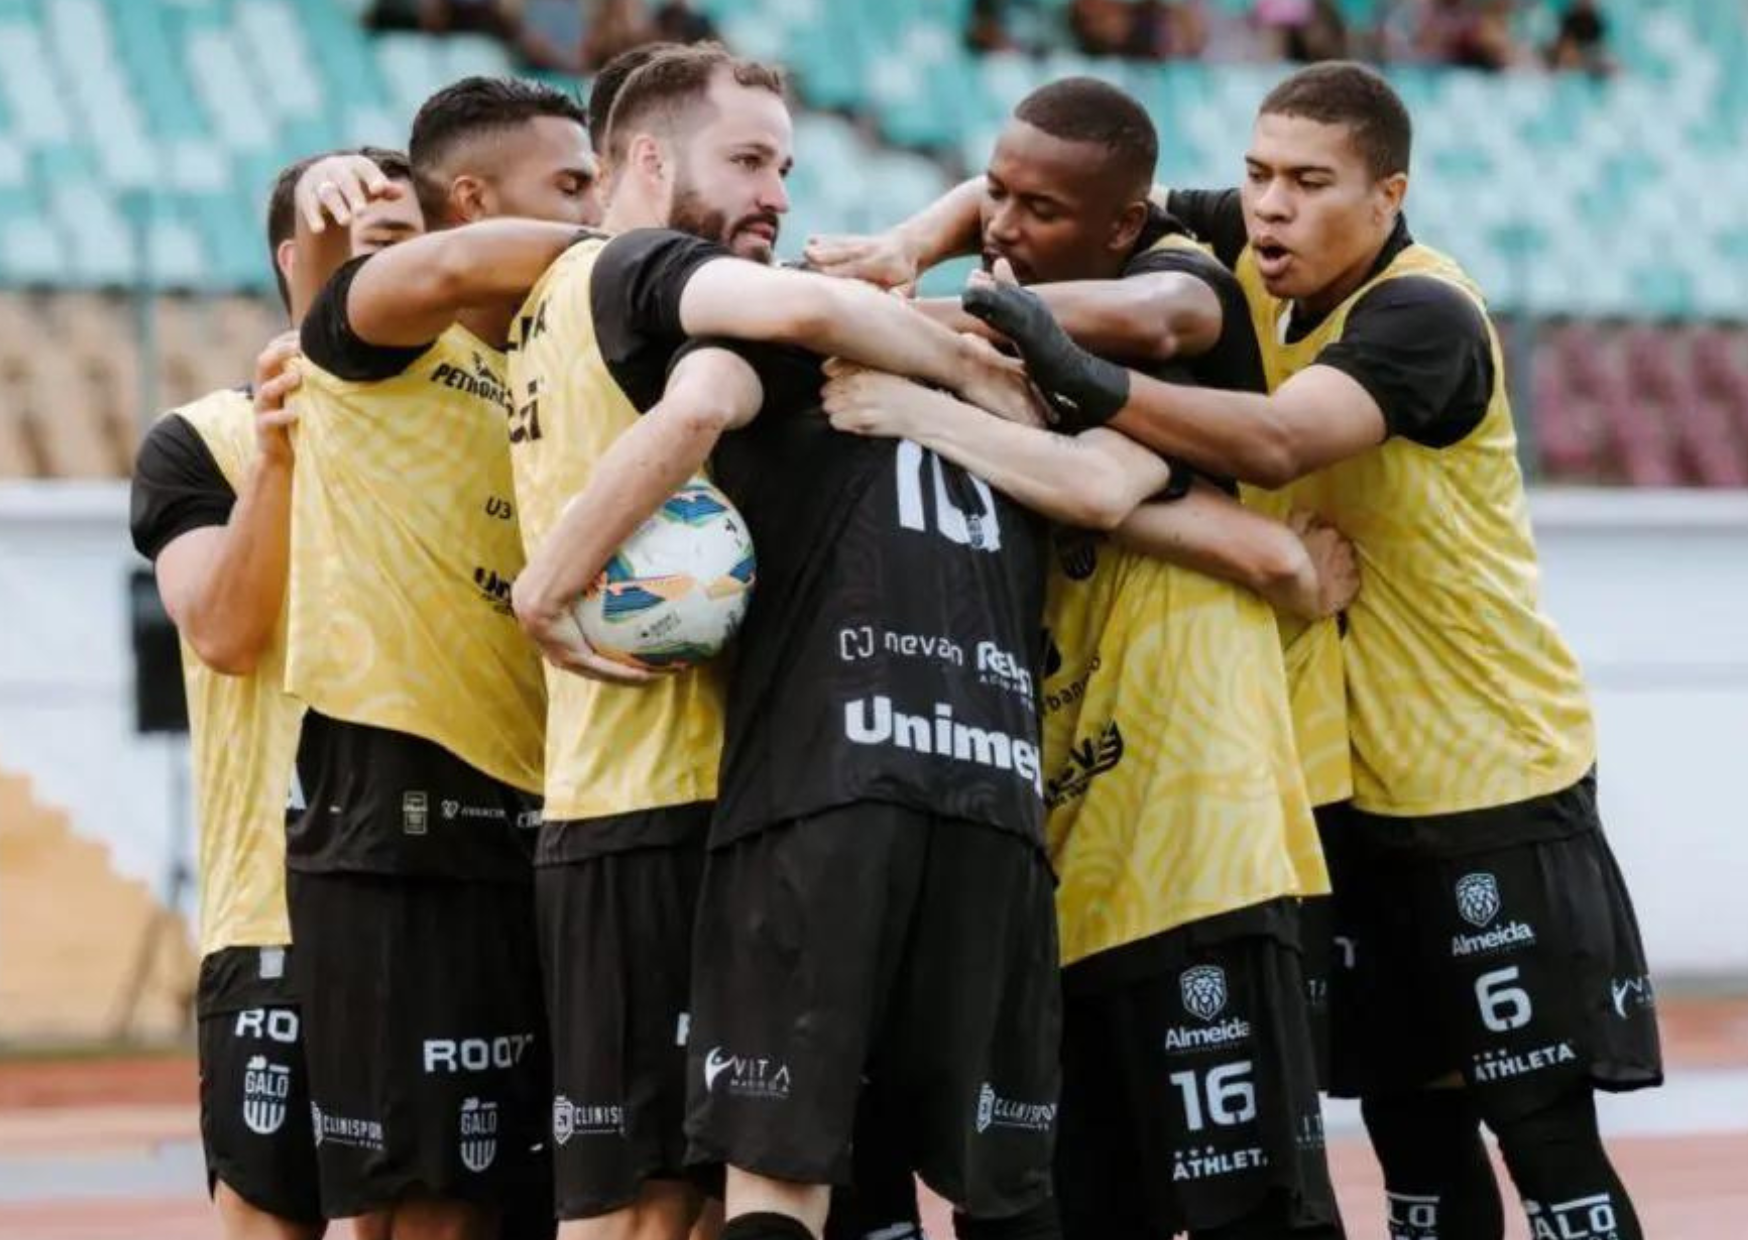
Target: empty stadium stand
{"type": "Point", "coordinates": [138, 139]}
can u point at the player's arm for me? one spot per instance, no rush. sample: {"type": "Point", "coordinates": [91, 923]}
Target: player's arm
{"type": "Point", "coordinates": [1304, 567]}
{"type": "Point", "coordinates": [709, 391]}
{"type": "Point", "coordinates": [1151, 316]}
{"type": "Point", "coordinates": [329, 195]}
{"type": "Point", "coordinates": [734, 298]}
{"type": "Point", "coordinates": [408, 295]}
{"type": "Point", "coordinates": [1415, 360]}
{"type": "Point", "coordinates": [946, 228]}
{"type": "Point", "coordinates": [1092, 480]}
{"type": "Point", "coordinates": [1099, 480]}
{"type": "Point", "coordinates": [950, 226]}
{"type": "Point", "coordinates": [222, 573]}
{"type": "Point", "coordinates": [1318, 417]}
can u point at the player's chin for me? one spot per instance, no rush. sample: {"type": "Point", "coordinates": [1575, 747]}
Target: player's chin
{"type": "Point", "coordinates": [754, 246]}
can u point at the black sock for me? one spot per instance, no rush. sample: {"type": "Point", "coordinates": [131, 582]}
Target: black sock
{"type": "Point", "coordinates": [1437, 1177]}
{"type": "Point", "coordinates": [766, 1226]}
{"type": "Point", "coordinates": [1038, 1223]}
{"type": "Point", "coordinates": [1562, 1172]}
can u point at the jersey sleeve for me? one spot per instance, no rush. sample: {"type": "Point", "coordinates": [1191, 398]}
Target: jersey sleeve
{"type": "Point", "coordinates": [328, 340]}
{"type": "Point", "coordinates": [1233, 362]}
{"type": "Point", "coordinates": [177, 487]}
{"type": "Point", "coordinates": [1421, 349]}
{"type": "Point", "coordinates": [791, 377]}
{"type": "Point", "coordinates": [1214, 215]}
{"type": "Point", "coordinates": [636, 286]}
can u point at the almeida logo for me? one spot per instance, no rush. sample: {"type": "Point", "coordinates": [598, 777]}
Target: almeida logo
{"type": "Point", "coordinates": [1478, 898]}
{"type": "Point", "coordinates": [1478, 903]}
{"type": "Point", "coordinates": [1204, 990]}
{"type": "Point", "coordinates": [1204, 993]}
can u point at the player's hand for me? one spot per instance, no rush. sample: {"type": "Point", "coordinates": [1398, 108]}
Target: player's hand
{"type": "Point", "coordinates": [552, 624]}
{"type": "Point", "coordinates": [1000, 384]}
{"type": "Point", "coordinates": [1335, 567]}
{"type": "Point", "coordinates": [340, 188]}
{"type": "Point", "coordinates": [879, 258]}
{"type": "Point", "coordinates": [1083, 390]}
{"type": "Point", "coordinates": [873, 403]}
{"type": "Point", "coordinates": [276, 377]}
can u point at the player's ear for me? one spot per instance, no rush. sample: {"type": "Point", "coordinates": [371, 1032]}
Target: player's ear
{"type": "Point", "coordinates": [646, 156]}
{"type": "Point", "coordinates": [285, 258]}
{"type": "Point", "coordinates": [468, 199]}
{"type": "Point", "coordinates": [1127, 230]}
{"type": "Point", "coordinates": [1391, 191]}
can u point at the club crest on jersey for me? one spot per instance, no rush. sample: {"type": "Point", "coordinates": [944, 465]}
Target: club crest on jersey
{"type": "Point", "coordinates": [1204, 990]}
{"type": "Point", "coordinates": [266, 1086]}
{"type": "Point", "coordinates": [479, 1134]}
{"type": "Point", "coordinates": [1478, 898]}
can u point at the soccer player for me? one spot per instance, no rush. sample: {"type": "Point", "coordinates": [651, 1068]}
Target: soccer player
{"type": "Point", "coordinates": [410, 886]}
{"type": "Point", "coordinates": [1179, 825]}
{"type": "Point", "coordinates": [1492, 966]}
{"type": "Point", "coordinates": [210, 509]}
{"type": "Point", "coordinates": [838, 524]}
{"type": "Point", "coordinates": [699, 141]}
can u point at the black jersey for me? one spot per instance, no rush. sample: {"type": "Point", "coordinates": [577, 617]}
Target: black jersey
{"type": "Point", "coordinates": [894, 643]}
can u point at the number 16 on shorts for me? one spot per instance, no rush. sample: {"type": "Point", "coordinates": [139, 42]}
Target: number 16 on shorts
{"type": "Point", "coordinates": [1224, 1096]}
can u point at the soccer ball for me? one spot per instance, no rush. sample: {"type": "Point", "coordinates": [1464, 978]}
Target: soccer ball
{"type": "Point", "coordinates": [675, 593]}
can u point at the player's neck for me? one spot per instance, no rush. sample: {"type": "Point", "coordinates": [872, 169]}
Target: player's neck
{"type": "Point", "coordinates": [1317, 306]}
{"type": "Point", "coordinates": [629, 209]}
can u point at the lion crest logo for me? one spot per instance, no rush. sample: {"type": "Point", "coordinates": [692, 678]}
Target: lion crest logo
{"type": "Point", "coordinates": [1204, 990]}
{"type": "Point", "coordinates": [1478, 898]}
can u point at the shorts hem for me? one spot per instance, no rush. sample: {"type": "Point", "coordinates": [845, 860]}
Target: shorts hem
{"type": "Point", "coordinates": [215, 1176]}
{"type": "Point", "coordinates": [700, 1158]}
{"type": "Point", "coordinates": [599, 1207]}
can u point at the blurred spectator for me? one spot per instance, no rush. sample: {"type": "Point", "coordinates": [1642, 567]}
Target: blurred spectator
{"type": "Point", "coordinates": [1303, 30]}
{"type": "Point", "coordinates": [1582, 42]}
{"type": "Point", "coordinates": [1100, 27]}
{"type": "Point", "coordinates": [1471, 34]}
{"type": "Point", "coordinates": [550, 34]}
{"type": "Point", "coordinates": [614, 26]}
{"type": "Point", "coordinates": [1167, 29]}
{"type": "Point", "coordinates": [493, 17]}
{"type": "Point", "coordinates": [678, 22]}
{"type": "Point", "coordinates": [987, 29]}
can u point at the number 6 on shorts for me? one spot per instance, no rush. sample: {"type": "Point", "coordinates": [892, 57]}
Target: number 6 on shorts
{"type": "Point", "coordinates": [1504, 1007]}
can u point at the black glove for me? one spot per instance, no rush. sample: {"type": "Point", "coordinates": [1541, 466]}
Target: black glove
{"type": "Point", "coordinates": [1084, 391]}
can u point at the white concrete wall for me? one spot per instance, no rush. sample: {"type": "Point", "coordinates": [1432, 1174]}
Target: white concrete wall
{"type": "Point", "coordinates": [1652, 590]}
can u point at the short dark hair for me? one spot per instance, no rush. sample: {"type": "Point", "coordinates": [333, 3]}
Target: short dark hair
{"type": "Point", "coordinates": [610, 81]}
{"type": "Point", "coordinates": [282, 201]}
{"type": "Point", "coordinates": [1084, 109]}
{"type": "Point", "coordinates": [675, 79]}
{"type": "Point", "coordinates": [470, 108]}
{"type": "Point", "coordinates": [1342, 92]}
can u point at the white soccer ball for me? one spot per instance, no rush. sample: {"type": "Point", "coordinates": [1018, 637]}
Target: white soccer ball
{"type": "Point", "coordinates": [675, 593]}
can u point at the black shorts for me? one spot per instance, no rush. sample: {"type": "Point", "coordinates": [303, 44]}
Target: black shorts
{"type": "Point", "coordinates": [1189, 1094]}
{"type": "Point", "coordinates": [616, 956]}
{"type": "Point", "coordinates": [423, 1029]}
{"type": "Point", "coordinates": [1517, 964]}
{"type": "Point", "coordinates": [877, 943]}
{"type": "Point", "coordinates": [254, 1090]}
{"type": "Point", "coordinates": [880, 1202]}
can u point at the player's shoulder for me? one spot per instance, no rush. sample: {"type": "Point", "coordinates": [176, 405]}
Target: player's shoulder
{"type": "Point", "coordinates": [215, 409]}
{"type": "Point", "coordinates": [1167, 245]}
{"type": "Point", "coordinates": [1436, 300]}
